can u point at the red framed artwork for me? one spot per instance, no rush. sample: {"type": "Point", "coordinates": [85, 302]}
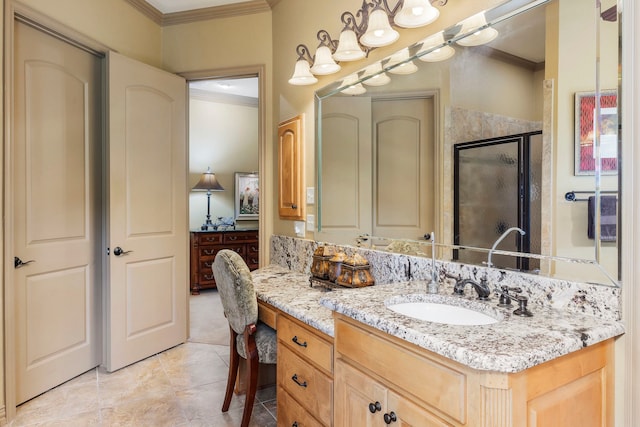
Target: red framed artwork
{"type": "Point", "coordinates": [585, 131]}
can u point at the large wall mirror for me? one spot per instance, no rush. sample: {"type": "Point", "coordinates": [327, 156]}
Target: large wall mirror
{"type": "Point", "coordinates": [469, 133]}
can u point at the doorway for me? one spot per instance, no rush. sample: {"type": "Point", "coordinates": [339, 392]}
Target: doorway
{"type": "Point", "coordinates": [224, 135]}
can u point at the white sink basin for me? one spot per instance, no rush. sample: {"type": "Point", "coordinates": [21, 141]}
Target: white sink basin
{"type": "Point", "coordinates": [442, 313]}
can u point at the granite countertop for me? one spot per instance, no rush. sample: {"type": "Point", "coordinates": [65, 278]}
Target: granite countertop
{"type": "Point", "coordinates": [511, 345]}
{"type": "Point", "coordinates": [291, 293]}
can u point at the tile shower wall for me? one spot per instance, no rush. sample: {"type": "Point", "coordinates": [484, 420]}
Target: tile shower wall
{"type": "Point", "coordinates": [387, 267]}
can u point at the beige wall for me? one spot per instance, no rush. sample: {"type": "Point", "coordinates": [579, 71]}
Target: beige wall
{"type": "Point", "coordinates": [114, 23]}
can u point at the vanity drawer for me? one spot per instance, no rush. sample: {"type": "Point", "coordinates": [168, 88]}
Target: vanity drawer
{"type": "Point", "coordinates": [308, 385]}
{"type": "Point", "coordinates": [433, 381]}
{"type": "Point", "coordinates": [291, 413]}
{"type": "Point", "coordinates": [267, 314]}
{"type": "Point", "coordinates": [305, 342]}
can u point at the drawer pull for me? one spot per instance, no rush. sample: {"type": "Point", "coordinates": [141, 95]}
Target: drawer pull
{"type": "Point", "coordinates": [390, 418]}
{"type": "Point", "coordinates": [232, 238]}
{"type": "Point", "coordinates": [375, 407]}
{"type": "Point", "coordinates": [295, 424]}
{"type": "Point", "coordinates": [208, 277]}
{"type": "Point", "coordinates": [295, 340]}
{"type": "Point", "coordinates": [301, 384]}
{"type": "Point", "coordinates": [209, 251]}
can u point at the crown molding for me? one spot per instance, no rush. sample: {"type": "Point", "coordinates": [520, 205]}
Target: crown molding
{"type": "Point", "coordinates": [216, 12]}
{"type": "Point", "coordinates": [146, 9]}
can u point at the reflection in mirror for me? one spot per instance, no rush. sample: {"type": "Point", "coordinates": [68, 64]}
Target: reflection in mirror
{"type": "Point", "coordinates": [386, 157]}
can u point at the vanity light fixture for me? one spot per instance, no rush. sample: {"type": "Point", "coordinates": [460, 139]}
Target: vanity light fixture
{"type": "Point", "coordinates": [377, 77]}
{"type": "Point", "coordinates": [400, 64]}
{"type": "Point", "coordinates": [324, 63]}
{"type": "Point", "coordinates": [353, 86]}
{"type": "Point", "coordinates": [357, 39]}
{"type": "Point", "coordinates": [478, 29]}
{"type": "Point", "coordinates": [416, 13]}
{"type": "Point", "coordinates": [302, 73]}
{"type": "Point", "coordinates": [440, 54]}
{"type": "Point", "coordinates": [348, 48]}
{"type": "Point", "coordinates": [379, 32]}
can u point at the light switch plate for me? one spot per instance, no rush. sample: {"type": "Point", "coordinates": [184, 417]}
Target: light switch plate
{"type": "Point", "coordinates": [311, 195]}
{"type": "Point", "coordinates": [311, 222]}
{"type": "Point", "coordinates": [299, 228]}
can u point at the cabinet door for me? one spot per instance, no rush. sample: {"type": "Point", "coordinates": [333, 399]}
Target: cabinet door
{"type": "Point", "coordinates": [354, 393]}
{"type": "Point", "coordinates": [290, 201]}
{"type": "Point", "coordinates": [409, 414]}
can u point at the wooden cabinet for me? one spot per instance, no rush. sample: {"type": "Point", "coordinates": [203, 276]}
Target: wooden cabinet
{"type": "Point", "coordinates": [206, 244]}
{"type": "Point", "coordinates": [362, 401]}
{"type": "Point", "coordinates": [305, 374]}
{"type": "Point", "coordinates": [291, 202]}
{"type": "Point", "coordinates": [423, 388]}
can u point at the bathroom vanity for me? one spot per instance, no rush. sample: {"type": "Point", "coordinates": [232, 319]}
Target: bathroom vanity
{"type": "Point", "coordinates": [345, 359]}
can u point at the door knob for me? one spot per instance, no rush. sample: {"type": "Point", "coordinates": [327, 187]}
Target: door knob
{"type": "Point", "coordinates": [17, 262]}
{"type": "Point", "coordinates": [117, 251]}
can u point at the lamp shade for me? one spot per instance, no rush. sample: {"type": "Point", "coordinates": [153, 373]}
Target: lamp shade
{"type": "Point", "coordinates": [353, 86]}
{"type": "Point", "coordinates": [302, 74]}
{"type": "Point", "coordinates": [379, 77]}
{"type": "Point", "coordinates": [324, 63]}
{"type": "Point", "coordinates": [441, 52]}
{"type": "Point", "coordinates": [379, 32]}
{"type": "Point", "coordinates": [400, 63]}
{"type": "Point", "coordinates": [416, 13]}
{"type": "Point", "coordinates": [477, 35]}
{"type": "Point", "coordinates": [348, 48]}
{"type": "Point", "coordinates": [208, 182]}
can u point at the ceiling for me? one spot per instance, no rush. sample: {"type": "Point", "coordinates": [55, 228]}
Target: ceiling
{"type": "Point", "coordinates": [172, 6]}
{"type": "Point", "coordinates": [246, 87]}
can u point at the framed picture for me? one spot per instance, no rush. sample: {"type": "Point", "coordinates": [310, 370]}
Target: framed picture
{"type": "Point", "coordinates": [585, 129]}
{"type": "Point", "coordinates": [247, 196]}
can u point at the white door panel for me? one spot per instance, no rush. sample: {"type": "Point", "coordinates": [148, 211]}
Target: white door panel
{"type": "Point", "coordinates": [346, 171]}
{"type": "Point", "coordinates": [56, 193]}
{"type": "Point", "coordinates": [404, 190]}
{"type": "Point", "coordinates": [147, 296]}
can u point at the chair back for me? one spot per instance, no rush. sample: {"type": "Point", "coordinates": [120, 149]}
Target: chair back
{"type": "Point", "coordinates": [235, 285]}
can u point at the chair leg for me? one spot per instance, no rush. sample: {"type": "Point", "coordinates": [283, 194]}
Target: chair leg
{"type": "Point", "coordinates": [234, 364]}
{"type": "Point", "coordinates": [252, 373]}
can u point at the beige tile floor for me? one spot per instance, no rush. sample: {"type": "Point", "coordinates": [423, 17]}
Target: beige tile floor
{"type": "Point", "coordinates": [183, 386]}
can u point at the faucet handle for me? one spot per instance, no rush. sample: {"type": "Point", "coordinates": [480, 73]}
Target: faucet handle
{"type": "Point", "coordinates": [505, 296]}
{"type": "Point", "coordinates": [522, 309]}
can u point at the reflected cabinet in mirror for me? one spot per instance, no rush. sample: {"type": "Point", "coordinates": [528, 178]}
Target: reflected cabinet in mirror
{"type": "Point", "coordinates": [509, 124]}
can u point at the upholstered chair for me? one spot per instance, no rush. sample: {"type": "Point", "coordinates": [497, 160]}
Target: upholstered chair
{"type": "Point", "coordinates": [250, 339]}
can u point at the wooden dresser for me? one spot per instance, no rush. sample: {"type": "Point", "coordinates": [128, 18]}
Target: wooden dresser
{"type": "Point", "coordinates": [206, 244]}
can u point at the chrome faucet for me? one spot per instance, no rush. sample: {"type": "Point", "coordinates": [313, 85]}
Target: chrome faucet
{"type": "Point", "coordinates": [481, 288]}
{"type": "Point", "coordinates": [502, 236]}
